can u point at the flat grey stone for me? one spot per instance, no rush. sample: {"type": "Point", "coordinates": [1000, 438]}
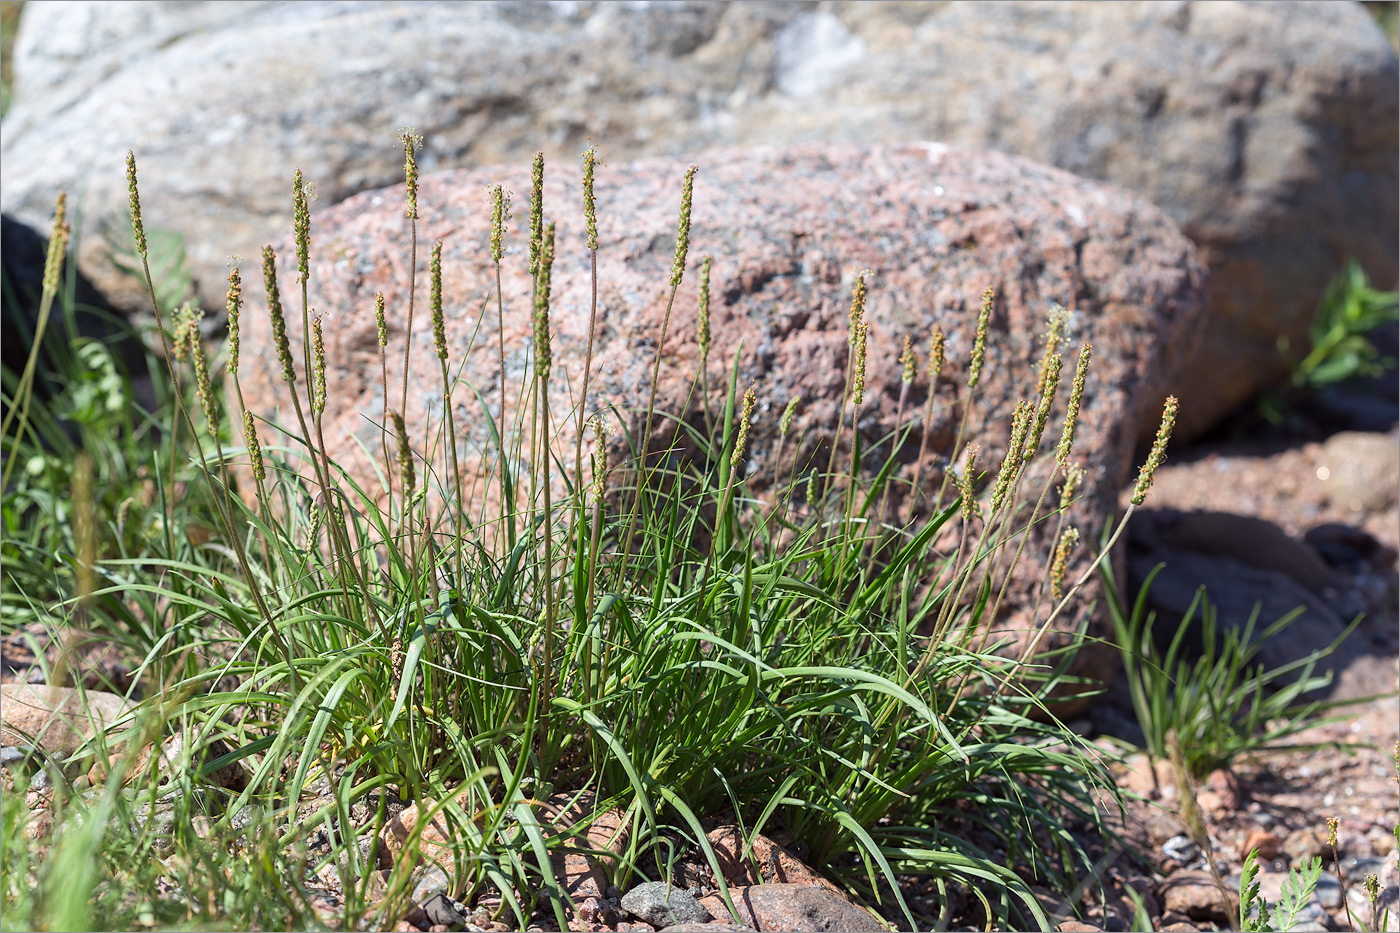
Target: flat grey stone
{"type": "Point", "coordinates": [662, 905]}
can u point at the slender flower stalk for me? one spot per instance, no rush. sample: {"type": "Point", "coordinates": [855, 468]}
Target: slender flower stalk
{"type": "Point", "coordinates": [500, 216]}
{"type": "Point", "coordinates": [1049, 385]}
{"type": "Point", "coordinates": [411, 143]}
{"type": "Point", "coordinates": [974, 376]}
{"type": "Point", "coordinates": [702, 339]}
{"type": "Point", "coordinates": [590, 223]}
{"type": "Point", "coordinates": [936, 359]}
{"type": "Point", "coordinates": [677, 274]}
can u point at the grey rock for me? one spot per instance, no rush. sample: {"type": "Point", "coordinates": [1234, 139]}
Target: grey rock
{"type": "Point", "coordinates": [441, 909]}
{"type": "Point", "coordinates": [11, 755]}
{"type": "Point", "coordinates": [798, 907]}
{"type": "Point", "coordinates": [1267, 130]}
{"type": "Point", "coordinates": [1181, 849]}
{"type": "Point", "coordinates": [41, 781]}
{"type": "Point", "coordinates": [434, 881]}
{"type": "Point", "coordinates": [662, 904]}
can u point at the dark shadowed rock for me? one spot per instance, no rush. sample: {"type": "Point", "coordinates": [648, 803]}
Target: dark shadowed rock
{"type": "Point", "coordinates": [1268, 131]}
{"type": "Point", "coordinates": [788, 230]}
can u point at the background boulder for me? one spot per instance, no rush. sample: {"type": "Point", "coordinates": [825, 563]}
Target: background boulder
{"type": "Point", "coordinates": [1267, 130]}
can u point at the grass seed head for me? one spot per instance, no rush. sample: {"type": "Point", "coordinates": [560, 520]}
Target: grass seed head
{"type": "Point", "coordinates": [301, 225]}
{"type": "Point", "coordinates": [1057, 327]}
{"type": "Point", "coordinates": [979, 343]}
{"type": "Point", "coordinates": [790, 412]}
{"type": "Point", "coordinates": [1159, 451]}
{"type": "Point", "coordinates": [274, 313]}
{"type": "Point", "coordinates": [1011, 466]}
{"type": "Point", "coordinates": [683, 226]}
{"type": "Point", "coordinates": [318, 365]}
{"type": "Point", "coordinates": [703, 326]}
{"type": "Point", "coordinates": [234, 307]}
{"type": "Point", "coordinates": [381, 327]}
{"type": "Point", "coordinates": [412, 142]}
{"type": "Point", "coordinates": [536, 212]}
{"type": "Point", "coordinates": [58, 244]}
{"type": "Point", "coordinates": [1332, 822]}
{"type": "Point", "coordinates": [1060, 564]}
{"type": "Point", "coordinates": [500, 214]}
{"type": "Point", "coordinates": [937, 355]}
{"type": "Point", "coordinates": [590, 208]}
{"type": "Point", "coordinates": [906, 360]}
{"type": "Point", "coordinates": [134, 202]}
{"type": "Point", "coordinates": [1047, 400]}
{"type": "Point", "coordinates": [250, 437]}
{"type": "Point", "coordinates": [405, 454]}
{"type": "Point", "coordinates": [435, 301]}
{"type": "Point", "coordinates": [745, 420]}
{"type": "Point", "coordinates": [857, 312]}
{"type": "Point", "coordinates": [1074, 478]}
{"type": "Point", "coordinates": [965, 480]}
{"type": "Point", "coordinates": [858, 373]}
{"type": "Point", "coordinates": [1076, 396]}
{"type": "Point", "coordinates": [202, 385]}
{"type": "Point", "coordinates": [542, 290]}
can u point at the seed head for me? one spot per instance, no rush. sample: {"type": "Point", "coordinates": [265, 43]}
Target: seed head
{"type": "Point", "coordinates": [134, 200]}
{"type": "Point", "coordinates": [703, 328]}
{"type": "Point", "coordinates": [301, 225]}
{"type": "Point", "coordinates": [381, 327]}
{"type": "Point", "coordinates": [743, 437]}
{"type": "Point", "coordinates": [405, 454]}
{"type": "Point", "coordinates": [500, 213]}
{"type": "Point", "coordinates": [683, 226]}
{"type": "Point", "coordinates": [435, 301]}
{"type": "Point", "coordinates": [542, 289]}
{"type": "Point", "coordinates": [1057, 326]}
{"type": "Point", "coordinates": [965, 479]}
{"type": "Point", "coordinates": [937, 354]}
{"type": "Point", "coordinates": [1042, 414]}
{"type": "Point", "coordinates": [234, 308]}
{"type": "Point", "coordinates": [274, 312]}
{"type": "Point", "coordinates": [857, 313]}
{"type": "Point", "coordinates": [318, 364]}
{"type": "Point", "coordinates": [600, 440]}
{"type": "Point", "coordinates": [979, 344]}
{"type": "Point", "coordinates": [1061, 562]}
{"type": "Point", "coordinates": [1371, 884]}
{"type": "Point", "coordinates": [202, 385]}
{"type": "Point", "coordinates": [1332, 831]}
{"type": "Point", "coordinates": [1076, 395]}
{"type": "Point", "coordinates": [1159, 451]}
{"type": "Point", "coordinates": [906, 359]}
{"type": "Point", "coordinates": [1074, 478]}
{"type": "Point", "coordinates": [590, 209]}
{"type": "Point", "coordinates": [412, 142]}
{"type": "Point", "coordinates": [185, 327]}
{"type": "Point", "coordinates": [789, 413]}
{"type": "Point", "coordinates": [536, 212]}
{"type": "Point", "coordinates": [858, 374]}
{"type": "Point", "coordinates": [58, 244]}
{"type": "Point", "coordinates": [250, 437]}
{"type": "Point", "coordinates": [1006, 476]}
